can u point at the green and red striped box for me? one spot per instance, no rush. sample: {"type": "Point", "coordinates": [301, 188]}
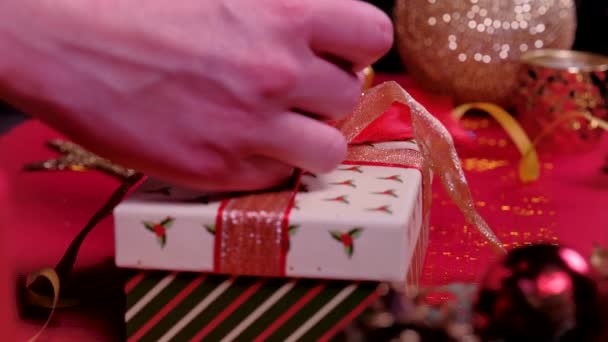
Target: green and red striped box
{"type": "Point", "coordinates": [164, 306]}
{"type": "Point", "coordinates": [186, 306]}
{"type": "Point", "coordinates": [302, 277]}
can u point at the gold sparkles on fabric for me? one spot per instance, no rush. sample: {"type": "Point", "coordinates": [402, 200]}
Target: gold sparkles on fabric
{"type": "Point", "coordinates": [252, 234]}
{"type": "Point", "coordinates": [471, 48]}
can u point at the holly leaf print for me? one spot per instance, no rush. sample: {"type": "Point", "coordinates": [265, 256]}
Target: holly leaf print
{"type": "Point", "coordinates": [346, 240]}
{"type": "Point", "coordinates": [348, 182]}
{"type": "Point", "coordinates": [355, 232]}
{"type": "Point", "coordinates": [167, 222]}
{"type": "Point", "coordinates": [293, 229]}
{"type": "Point", "coordinates": [341, 199]}
{"type": "Point", "coordinates": [394, 178]}
{"type": "Point", "coordinates": [162, 240]}
{"type": "Point", "coordinates": [159, 229]}
{"type": "Point", "coordinates": [383, 209]}
{"type": "Point", "coordinates": [210, 228]}
{"type": "Point", "coordinates": [349, 250]}
{"type": "Point", "coordinates": [389, 192]}
{"type": "Point", "coordinates": [149, 226]}
{"type": "Point", "coordinates": [336, 235]}
{"type": "Point", "coordinates": [355, 168]}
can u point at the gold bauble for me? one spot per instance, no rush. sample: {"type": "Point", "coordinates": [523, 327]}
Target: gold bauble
{"type": "Point", "coordinates": [470, 49]}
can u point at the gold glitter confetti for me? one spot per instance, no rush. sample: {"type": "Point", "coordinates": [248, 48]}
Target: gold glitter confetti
{"type": "Point", "coordinates": [75, 158]}
{"type": "Point", "coordinates": [482, 165]}
{"type": "Point", "coordinates": [470, 49]}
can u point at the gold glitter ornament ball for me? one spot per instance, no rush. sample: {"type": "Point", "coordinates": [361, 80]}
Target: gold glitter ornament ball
{"type": "Point", "coordinates": [470, 49]}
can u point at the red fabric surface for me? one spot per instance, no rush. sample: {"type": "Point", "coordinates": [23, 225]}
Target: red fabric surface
{"type": "Point", "coordinates": [7, 312]}
{"type": "Point", "coordinates": [568, 204]}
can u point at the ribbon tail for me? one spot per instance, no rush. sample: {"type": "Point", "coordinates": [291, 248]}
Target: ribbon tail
{"type": "Point", "coordinates": [60, 274]}
{"type": "Point", "coordinates": [437, 147]}
{"type": "Point", "coordinates": [51, 276]}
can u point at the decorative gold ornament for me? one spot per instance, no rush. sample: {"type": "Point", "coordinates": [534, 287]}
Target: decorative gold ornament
{"type": "Point", "coordinates": [75, 158]}
{"type": "Point", "coordinates": [470, 49]}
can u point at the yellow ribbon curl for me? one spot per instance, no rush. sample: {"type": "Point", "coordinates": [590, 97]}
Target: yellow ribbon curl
{"type": "Point", "coordinates": [529, 167]}
{"type": "Point", "coordinates": [61, 273]}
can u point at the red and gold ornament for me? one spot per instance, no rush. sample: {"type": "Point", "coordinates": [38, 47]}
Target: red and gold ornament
{"type": "Point", "coordinates": [538, 293]}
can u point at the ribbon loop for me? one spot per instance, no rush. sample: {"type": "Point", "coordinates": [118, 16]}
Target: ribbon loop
{"type": "Point", "coordinates": [435, 143]}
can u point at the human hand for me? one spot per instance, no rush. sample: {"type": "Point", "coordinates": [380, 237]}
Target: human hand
{"type": "Point", "coordinates": [214, 94]}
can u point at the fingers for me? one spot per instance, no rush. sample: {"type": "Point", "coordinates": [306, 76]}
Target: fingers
{"type": "Point", "coordinates": [304, 143]}
{"type": "Point", "coordinates": [353, 31]}
{"type": "Point", "coordinates": [255, 173]}
{"type": "Point", "coordinates": [326, 91]}
{"type": "Point", "coordinates": [248, 174]}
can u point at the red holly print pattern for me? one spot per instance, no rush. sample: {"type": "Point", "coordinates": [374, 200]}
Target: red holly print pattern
{"type": "Point", "coordinates": [356, 169]}
{"type": "Point", "coordinates": [389, 192]}
{"type": "Point", "coordinates": [348, 182]}
{"type": "Point", "coordinates": [160, 229]}
{"type": "Point", "coordinates": [342, 199]}
{"type": "Point", "coordinates": [346, 239]}
{"type": "Point", "coordinates": [395, 178]}
{"type": "Point", "coordinates": [383, 209]}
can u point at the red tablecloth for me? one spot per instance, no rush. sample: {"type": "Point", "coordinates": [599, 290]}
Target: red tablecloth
{"type": "Point", "coordinates": [569, 204]}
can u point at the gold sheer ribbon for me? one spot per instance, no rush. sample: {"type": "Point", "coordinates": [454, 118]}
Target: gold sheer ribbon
{"type": "Point", "coordinates": [436, 145]}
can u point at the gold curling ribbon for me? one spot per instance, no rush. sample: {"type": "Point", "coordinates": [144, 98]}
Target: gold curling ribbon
{"type": "Point", "coordinates": [529, 166]}
{"type": "Point", "coordinates": [60, 274]}
{"type": "Point", "coordinates": [51, 276]}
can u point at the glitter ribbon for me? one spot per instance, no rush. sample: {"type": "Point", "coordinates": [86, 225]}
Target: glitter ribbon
{"type": "Point", "coordinates": [252, 235]}
{"type": "Point", "coordinates": [436, 145]}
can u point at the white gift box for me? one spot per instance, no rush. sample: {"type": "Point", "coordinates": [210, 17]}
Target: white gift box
{"type": "Point", "coordinates": [359, 222]}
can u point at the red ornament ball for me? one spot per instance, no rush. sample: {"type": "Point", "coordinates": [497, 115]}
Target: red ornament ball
{"type": "Point", "coordinates": [538, 293]}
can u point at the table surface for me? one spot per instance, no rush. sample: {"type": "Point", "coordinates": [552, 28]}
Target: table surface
{"type": "Point", "coordinates": [47, 209]}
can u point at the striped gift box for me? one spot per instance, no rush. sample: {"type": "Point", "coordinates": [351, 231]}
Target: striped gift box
{"type": "Point", "coordinates": [185, 306]}
{"type": "Point", "coordinates": [164, 306]}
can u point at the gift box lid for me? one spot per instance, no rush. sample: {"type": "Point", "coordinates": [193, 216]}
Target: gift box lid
{"type": "Point", "coordinates": [359, 222]}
